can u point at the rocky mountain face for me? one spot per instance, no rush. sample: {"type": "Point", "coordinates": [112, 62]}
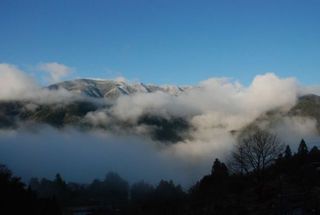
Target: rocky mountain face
{"type": "Point", "coordinates": [112, 89]}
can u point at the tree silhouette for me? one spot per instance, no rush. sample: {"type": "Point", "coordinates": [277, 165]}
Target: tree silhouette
{"type": "Point", "coordinates": [141, 191]}
{"type": "Point", "coordinates": [287, 152]}
{"type": "Point", "coordinates": [219, 169]}
{"type": "Point", "coordinates": [257, 150]}
{"type": "Point", "coordinates": [303, 148]}
{"type": "Point", "coordinates": [167, 190]}
{"type": "Point", "coordinates": [113, 190]}
{"type": "Point", "coordinates": [60, 183]}
{"type": "Point", "coordinates": [314, 154]}
{"type": "Point", "coordinates": [16, 199]}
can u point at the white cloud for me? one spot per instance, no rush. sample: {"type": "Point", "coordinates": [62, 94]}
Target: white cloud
{"type": "Point", "coordinates": [97, 118]}
{"type": "Point", "coordinates": [55, 70]}
{"type": "Point", "coordinates": [14, 83]}
{"type": "Point", "coordinates": [215, 102]}
{"type": "Point", "coordinates": [213, 108]}
{"type": "Point", "coordinates": [120, 79]}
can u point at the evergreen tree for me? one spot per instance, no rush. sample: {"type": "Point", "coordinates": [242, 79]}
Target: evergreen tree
{"type": "Point", "coordinates": [303, 149]}
{"type": "Point", "coordinates": [60, 182]}
{"type": "Point", "coordinates": [219, 169]}
{"type": "Point", "coordinates": [141, 191]}
{"type": "Point", "coordinates": [314, 150]}
{"type": "Point", "coordinates": [287, 152]}
{"type": "Point", "coordinates": [314, 154]}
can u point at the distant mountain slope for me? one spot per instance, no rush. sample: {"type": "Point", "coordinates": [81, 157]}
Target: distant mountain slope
{"type": "Point", "coordinates": [58, 115]}
{"type": "Point", "coordinates": [111, 88]}
{"type": "Point", "coordinates": [308, 106]}
{"type": "Point", "coordinates": [74, 113]}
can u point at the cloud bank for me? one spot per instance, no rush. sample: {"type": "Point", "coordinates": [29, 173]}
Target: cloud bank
{"type": "Point", "coordinates": [215, 110]}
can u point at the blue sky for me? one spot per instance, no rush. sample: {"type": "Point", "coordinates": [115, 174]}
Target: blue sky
{"type": "Point", "coordinates": [165, 41]}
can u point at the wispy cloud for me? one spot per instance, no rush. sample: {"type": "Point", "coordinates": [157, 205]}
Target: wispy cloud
{"type": "Point", "coordinates": [56, 71]}
{"type": "Point", "coordinates": [16, 84]}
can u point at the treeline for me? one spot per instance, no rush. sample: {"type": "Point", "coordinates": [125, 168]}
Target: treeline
{"type": "Point", "coordinates": [113, 195]}
{"type": "Point", "coordinates": [289, 185]}
{"type": "Point", "coordinates": [262, 177]}
{"type": "Point", "coordinates": [16, 198]}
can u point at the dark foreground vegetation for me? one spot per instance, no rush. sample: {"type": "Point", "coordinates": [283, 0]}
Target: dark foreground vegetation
{"type": "Point", "coordinates": [263, 177]}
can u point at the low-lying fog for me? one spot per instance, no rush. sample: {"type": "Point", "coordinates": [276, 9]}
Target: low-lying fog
{"type": "Point", "coordinates": [214, 108]}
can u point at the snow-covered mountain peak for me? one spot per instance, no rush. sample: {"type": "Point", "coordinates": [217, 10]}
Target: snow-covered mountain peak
{"type": "Point", "coordinates": [99, 88]}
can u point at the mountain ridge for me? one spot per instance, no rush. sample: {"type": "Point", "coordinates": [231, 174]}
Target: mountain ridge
{"type": "Point", "coordinates": [113, 88]}
{"type": "Point", "coordinates": [76, 112]}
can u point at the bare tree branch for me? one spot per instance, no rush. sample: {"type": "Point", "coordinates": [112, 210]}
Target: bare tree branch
{"type": "Point", "coordinates": [256, 151]}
